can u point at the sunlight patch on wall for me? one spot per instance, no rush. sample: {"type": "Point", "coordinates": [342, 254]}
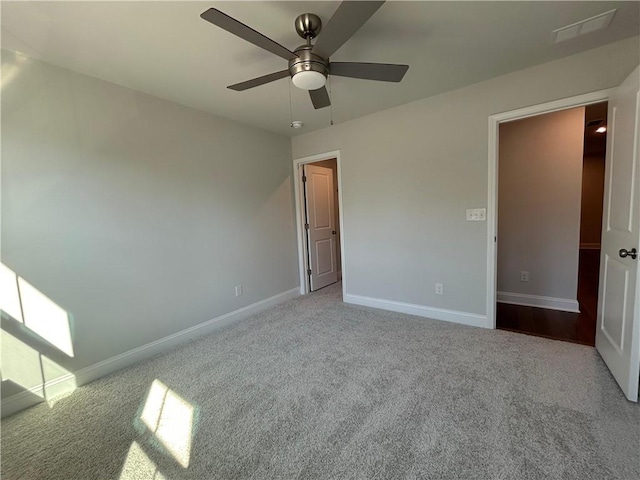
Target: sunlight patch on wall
{"type": "Point", "coordinates": [10, 71]}
{"type": "Point", "coordinates": [29, 306]}
{"type": "Point", "coordinates": [9, 295]}
{"type": "Point", "coordinates": [170, 418]}
{"type": "Point", "coordinates": [138, 466]}
{"type": "Point", "coordinates": [21, 364]}
{"type": "Point", "coordinates": [25, 366]}
{"type": "Point", "coordinates": [45, 317]}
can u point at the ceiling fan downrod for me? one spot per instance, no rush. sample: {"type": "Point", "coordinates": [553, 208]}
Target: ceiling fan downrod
{"type": "Point", "coordinates": [308, 26]}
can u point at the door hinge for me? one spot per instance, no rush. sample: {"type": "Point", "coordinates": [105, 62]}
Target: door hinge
{"type": "Point", "coordinates": [306, 226]}
{"type": "Point", "coordinates": [304, 178]}
{"type": "Point", "coordinates": [309, 272]}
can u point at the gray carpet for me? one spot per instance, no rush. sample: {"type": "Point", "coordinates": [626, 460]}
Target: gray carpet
{"type": "Point", "coordinates": [314, 388]}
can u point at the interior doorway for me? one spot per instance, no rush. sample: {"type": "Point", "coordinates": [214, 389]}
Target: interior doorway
{"type": "Point", "coordinates": [550, 191]}
{"type": "Point", "coordinates": [319, 216]}
{"type": "Point", "coordinates": [618, 323]}
{"type": "Point", "coordinates": [321, 210]}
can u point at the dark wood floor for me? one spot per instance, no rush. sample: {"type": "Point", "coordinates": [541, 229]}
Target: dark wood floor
{"type": "Point", "coordinates": [570, 327]}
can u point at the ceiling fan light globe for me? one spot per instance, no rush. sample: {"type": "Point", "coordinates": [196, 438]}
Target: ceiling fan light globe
{"type": "Point", "coordinates": [309, 80]}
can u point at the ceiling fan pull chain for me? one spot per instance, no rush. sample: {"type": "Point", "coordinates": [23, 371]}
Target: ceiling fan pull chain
{"type": "Point", "coordinates": [331, 104]}
{"type": "Point", "coordinates": [290, 107]}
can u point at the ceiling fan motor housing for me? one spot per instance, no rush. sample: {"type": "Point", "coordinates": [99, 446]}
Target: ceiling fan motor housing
{"type": "Point", "coordinates": [308, 25]}
{"type": "Point", "coordinates": [307, 61]}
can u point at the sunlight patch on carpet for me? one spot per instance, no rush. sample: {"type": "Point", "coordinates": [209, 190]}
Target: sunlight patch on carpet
{"type": "Point", "coordinates": [170, 418]}
{"type": "Point", "coordinates": [138, 466]}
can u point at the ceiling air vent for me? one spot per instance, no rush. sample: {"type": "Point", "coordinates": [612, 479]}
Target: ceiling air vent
{"type": "Point", "coordinates": [584, 26]}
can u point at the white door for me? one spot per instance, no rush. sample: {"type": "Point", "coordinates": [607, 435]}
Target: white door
{"type": "Point", "coordinates": [321, 227]}
{"type": "Point", "coordinates": [618, 329]}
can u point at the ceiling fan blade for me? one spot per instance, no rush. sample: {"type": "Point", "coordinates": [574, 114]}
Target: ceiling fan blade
{"type": "Point", "coordinates": [245, 32]}
{"type": "Point", "coordinates": [346, 21]}
{"type": "Point", "coordinates": [320, 98]}
{"type": "Point", "coordinates": [385, 72]}
{"type": "Point", "coordinates": [256, 82]}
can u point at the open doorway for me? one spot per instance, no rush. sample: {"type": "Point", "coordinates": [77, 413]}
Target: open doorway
{"type": "Point", "coordinates": [550, 196]}
{"type": "Point", "coordinates": [319, 219]}
{"type": "Point", "coordinates": [322, 231]}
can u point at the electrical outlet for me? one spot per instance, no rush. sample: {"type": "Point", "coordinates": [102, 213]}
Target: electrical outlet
{"type": "Point", "coordinates": [524, 276]}
{"type": "Point", "coordinates": [439, 289]}
{"type": "Point", "coordinates": [238, 290]}
{"type": "Point", "coordinates": [476, 214]}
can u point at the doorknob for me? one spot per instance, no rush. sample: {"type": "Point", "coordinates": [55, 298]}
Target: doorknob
{"type": "Point", "coordinates": [628, 253]}
{"type": "Point", "coordinates": [333, 233]}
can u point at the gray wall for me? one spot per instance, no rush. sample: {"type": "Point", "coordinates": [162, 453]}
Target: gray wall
{"type": "Point", "coordinates": [539, 190]}
{"type": "Point", "coordinates": [137, 215]}
{"type": "Point", "coordinates": [592, 201]}
{"type": "Point", "coordinates": [410, 172]}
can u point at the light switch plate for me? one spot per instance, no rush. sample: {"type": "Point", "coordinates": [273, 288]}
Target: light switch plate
{"type": "Point", "coordinates": [476, 214]}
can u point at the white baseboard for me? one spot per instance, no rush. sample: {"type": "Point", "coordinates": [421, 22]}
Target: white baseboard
{"type": "Point", "coordinates": [19, 401]}
{"type": "Point", "coordinates": [590, 246]}
{"type": "Point", "coordinates": [552, 303]}
{"type": "Point", "coordinates": [28, 398]}
{"type": "Point", "coordinates": [454, 316]}
{"type": "Point", "coordinates": [54, 388]}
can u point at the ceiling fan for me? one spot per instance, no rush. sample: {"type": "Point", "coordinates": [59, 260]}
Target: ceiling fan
{"type": "Point", "coordinates": [309, 65]}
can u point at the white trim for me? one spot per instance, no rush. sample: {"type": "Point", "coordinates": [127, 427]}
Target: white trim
{"type": "Point", "coordinates": [634, 371]}
{"type": "Point", "coordinates": [453, 316]}
{"type": "Point", "coordinates": [93, 372]}
{"type": "Point", "coordinates": [551, 303]}
{"type": "Point", "coordinates": [136, 355]}
{"type": "Point", "coordinates": [299, 201]}
{"type": "Point", "coordinates": [492, 223]}
{"type": "Point", "coordinates": [34, 395]}
{"type": "Point", "coordinates": [492, 217]}
{"type": "Point", "coordinates": [590, 246]}
{"type": "Point", "coordinates": [22, 400]}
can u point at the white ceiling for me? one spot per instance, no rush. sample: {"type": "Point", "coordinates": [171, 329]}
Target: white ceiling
{"type": "Point", "coordinates": [166, 49]}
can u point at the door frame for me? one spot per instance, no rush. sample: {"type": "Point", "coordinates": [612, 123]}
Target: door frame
{"type": "Point", "coordinates": [300, 208]}
{"type": "Point", "coordinates": [492, 202]}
